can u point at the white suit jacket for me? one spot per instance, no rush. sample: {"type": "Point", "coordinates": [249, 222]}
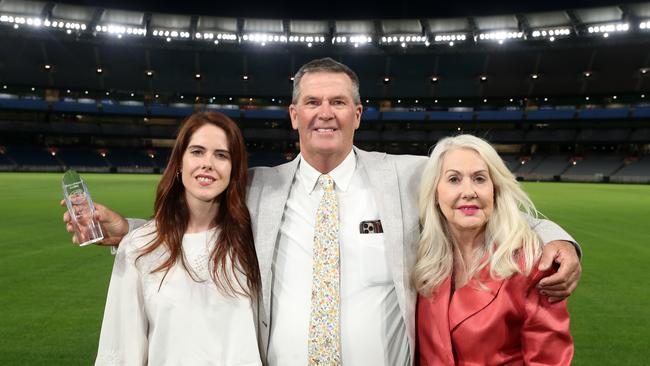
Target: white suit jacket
{"type": "Point", "coordinates": [394, 183]}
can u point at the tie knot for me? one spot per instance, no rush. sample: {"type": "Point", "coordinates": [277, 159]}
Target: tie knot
{"type": "Point", "coordinates": [326, 182]}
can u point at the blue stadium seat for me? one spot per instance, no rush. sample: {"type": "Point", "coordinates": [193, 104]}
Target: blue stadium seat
{"type": "Point", "coordinates": [131, 110]}
{"type": "Point", "coordinates": [603, 113]}
{"type": "Point", "coordinates": [551, 114]}
{"type": "Point", "coordinates": [370, 114]}
{"type": "Point", "coordinates": [24, 104]}
{"type": "Point", "coordinates": [450, 116]}
{"type": "Point", "coordinates": [499, 115]}
{"type": "Point", "coordinates": [404, 116]}
{"type": "Point", "coordinates": [158, 110]}
{"type": "Point", "coordinates": [266, 113]}
{"type": "Point", "coordinates": [641, 112]}
{"type": "Point", "coordinates": [75, 107]}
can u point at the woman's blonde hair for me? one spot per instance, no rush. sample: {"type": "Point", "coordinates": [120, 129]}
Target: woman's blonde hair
{"type": "Point", "coordinates": [509, 240]}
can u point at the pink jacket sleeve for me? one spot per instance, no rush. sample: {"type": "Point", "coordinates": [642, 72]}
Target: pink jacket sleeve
{"type": "Point", "coordinates": [545, 335]}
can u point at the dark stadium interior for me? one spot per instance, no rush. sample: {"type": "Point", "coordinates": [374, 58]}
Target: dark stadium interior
{"type": "Point", "coordinates": [572, 107]}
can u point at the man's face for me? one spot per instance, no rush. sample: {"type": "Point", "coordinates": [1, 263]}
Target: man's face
{"type": "Point", "coordinates": [325, 116]}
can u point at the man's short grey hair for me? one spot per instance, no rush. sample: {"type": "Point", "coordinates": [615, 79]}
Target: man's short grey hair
{"type": "Point", "coordinates": [326, 64]}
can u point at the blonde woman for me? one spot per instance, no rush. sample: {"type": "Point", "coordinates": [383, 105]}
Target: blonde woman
{"type": "Point", "coordinates": [476, 271]}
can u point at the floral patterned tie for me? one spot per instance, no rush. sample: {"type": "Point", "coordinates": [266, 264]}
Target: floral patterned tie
{"type": "Point", "coordinates": [324, 334]}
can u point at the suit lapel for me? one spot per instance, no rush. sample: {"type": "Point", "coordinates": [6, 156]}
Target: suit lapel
{"type": "Point", "coordinates": [472, 298]}
{"type": "Point", "coordinates": [274, 195]}
{"type": "Point", "coordinates": [440, 307]}
{"type": "Point", "coordinates": [385, 187]}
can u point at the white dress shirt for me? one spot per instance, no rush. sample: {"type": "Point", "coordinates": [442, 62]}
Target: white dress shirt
{"type": "Point", "coordinates": [372, 327]}
{"type": "Point", "coordinates": [182, 322]}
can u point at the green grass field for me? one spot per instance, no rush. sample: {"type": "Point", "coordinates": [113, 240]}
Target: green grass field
{"type": "Point", "coordinates": [52, 293]}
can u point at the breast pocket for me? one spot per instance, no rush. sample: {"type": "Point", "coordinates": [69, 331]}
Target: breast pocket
{"type": "Point", "coordinates": [374, 267]}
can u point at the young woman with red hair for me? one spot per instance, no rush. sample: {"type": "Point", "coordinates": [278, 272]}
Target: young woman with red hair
{"type": "Point", "coordinates": [183, 285]}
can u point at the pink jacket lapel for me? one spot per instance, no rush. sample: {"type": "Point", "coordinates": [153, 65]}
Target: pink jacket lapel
{"type": "Point", "coordinates": [472, 298]}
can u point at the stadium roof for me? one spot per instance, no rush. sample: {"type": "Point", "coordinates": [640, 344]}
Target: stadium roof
{"type": "Point", "coordinates": [343, 9]}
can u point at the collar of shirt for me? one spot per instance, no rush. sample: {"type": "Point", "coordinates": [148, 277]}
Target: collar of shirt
{"type": "Point", "coordinates": [342, 174]}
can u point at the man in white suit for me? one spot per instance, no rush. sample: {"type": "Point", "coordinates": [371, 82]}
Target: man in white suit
{"type": "Point", "coordinates": [377, 301]}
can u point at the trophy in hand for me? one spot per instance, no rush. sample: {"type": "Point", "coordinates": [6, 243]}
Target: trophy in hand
{"type": "Point", "coordinates": [81, 209]}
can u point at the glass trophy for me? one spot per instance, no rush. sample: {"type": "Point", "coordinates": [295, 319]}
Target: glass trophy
{"type": "Point", "coordinates": [81, 209]}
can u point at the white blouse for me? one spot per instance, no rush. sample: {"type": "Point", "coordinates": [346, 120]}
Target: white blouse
{"type": "Point", "coordinates": [182, 321]}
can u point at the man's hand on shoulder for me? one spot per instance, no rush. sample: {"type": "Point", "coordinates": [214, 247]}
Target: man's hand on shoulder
{"type": "Point", "coordinates": [114, 226]}
{"type": "Point", "coordinates": [561, 284]}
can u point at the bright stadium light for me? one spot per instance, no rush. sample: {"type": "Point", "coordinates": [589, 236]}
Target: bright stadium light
{"type": "Point", "coordinates": [120, 30]}
{"type": "Point", "coordinates": [450, 38]}
{"type": "Point", "coordinates": [17, 21]}
{"type": "Point", "coordinates": [606, 29]}
{"type": "Point", "coordinates": [355, 40]}
{"type": "Point", "coordinates": [169, 34]}
{"type": "Point", "coordinates": [308, 40]}
{"type": "Point", "coordinates": [645, 25]}
{"type": "Point", "coordinates": [264, 38]}
{"type": "Point", "coordinates": [404, 40]}
{"type": "Point", "coordinates": [551, 34]}
{"type": "Point", "coordinates": [500, 36]}
{"type": "Point", "coordinates": [69, 27]}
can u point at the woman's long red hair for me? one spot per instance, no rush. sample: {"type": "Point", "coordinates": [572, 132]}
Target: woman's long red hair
{"type": "Point", "coordinates": [234, 252]}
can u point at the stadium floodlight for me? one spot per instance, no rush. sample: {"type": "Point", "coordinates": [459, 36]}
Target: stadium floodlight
{"type": "Point", "coordinates": [149, 73]}
{"type": "Point", "coordinates": [483, 78]}
{"type": "Point", "coordinates": [500, 36]}
{"type": "Point", "coordinates": [386, 79]}
{"type": "Point", "coordinates": [197, 76]}
{"type": "Point", "coordinates": [404, 40]}
{"type": "Point", "coordinates": [645, 25]}
{"type": "Point", "coordinates": [99, 70]}
{"type": "Point", "coordinates": [226, 36]}
{"type": "Point", "coordinates": [120, 30]}
{"type": "Point", "coordinates": [534, 76]}
{"type": "Point", "coordinates": [355, 40]}
{"type": "Point", "coordinates": [244, 77]}
{"type": "Point", "coordinates": [587, 74]}
{"type": "Point", "coordinates": [450, 38]}
{"type": "Point", "coordinates": [263, 38]}
{"type": "Point", "coordinates": [644, 70]}
{"type": "Point", "coordinates": [63, 25]}
{"type": "Point", "coordinates": [434, 79]}
{"type": "Point", "coordinates": [169, 34]}
{"type": "Point", "coordinates": [47, 67]}
{"type": "Point", "coordinates": [308, 40]}
{"type": "Point", "coordinates": [17, 21]}
{"type": "Point", "coordinates": [606, 29]}
{"type": "Point", "coordinates": [551, 33]}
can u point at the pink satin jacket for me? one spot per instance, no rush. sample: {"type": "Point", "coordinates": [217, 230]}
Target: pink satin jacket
{"type": "Point", "coordinates": [507, 322]}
